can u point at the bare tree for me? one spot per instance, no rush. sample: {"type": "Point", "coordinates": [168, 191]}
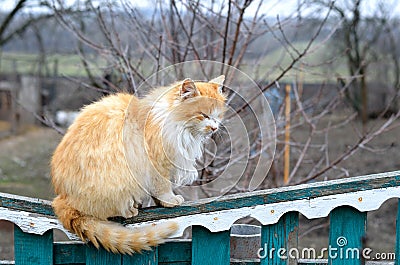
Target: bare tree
{"type": "Point", "coordinates": [9, 29]}
{"type": "Point", "coordinates": [358, 37]}
{"type": "Point", "coordinates": [136, 43]}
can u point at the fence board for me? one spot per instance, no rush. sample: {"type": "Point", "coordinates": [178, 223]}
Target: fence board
{"type": "Point", "coordinates": [33, 249]}
{"type": "Point", "coordinates": [69, 253]}
{"type": "Point", "coordinates": [175, 252]}
{"type": "Point", "coordinates": [146, 258]}
{"type": "Point", "coordinates": [313, 262]}
{"type": "Point", "coordinates": [397, 250]}
{"type": "Point", "coordinates": [347, 229]}
{"type": "Point", "coordinates": [101, 256]}
{"type": "Point", "coordinates": [210, 248]}
{"type": "Point", "coordinates": [285, 194]}
{"type": "Point", "coordinates": [278, 239]}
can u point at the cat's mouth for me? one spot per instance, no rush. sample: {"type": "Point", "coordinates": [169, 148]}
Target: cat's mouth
{"type": "Point", "coordinates": [209, 133]}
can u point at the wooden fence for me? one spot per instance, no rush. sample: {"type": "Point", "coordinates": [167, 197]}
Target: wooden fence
{"type": "Point", "coordinates": [346, 202]}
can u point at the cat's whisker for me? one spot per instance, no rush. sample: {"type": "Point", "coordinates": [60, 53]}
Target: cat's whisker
{"type": "Point", "coordinates": [222, 131]}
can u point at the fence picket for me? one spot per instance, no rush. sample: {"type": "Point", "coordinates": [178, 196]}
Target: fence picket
{"type": "Point", "coordinates": [210, 248]}
{"type": "Point", "coordinates": [277, 239]}
{"type": "Point", "coordinates": [346, 232]}
{"type": "Point", "coordinates": [397, 249]}
{"type": "Point", "coordinates": [33, 249]}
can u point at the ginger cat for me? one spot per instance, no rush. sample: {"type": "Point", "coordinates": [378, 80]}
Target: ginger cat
{"type": "Point", "coordinates": [122, 149]}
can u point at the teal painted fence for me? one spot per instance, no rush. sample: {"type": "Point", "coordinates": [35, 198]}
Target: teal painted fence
{"type": "Point", "coordinates": [346, 232]}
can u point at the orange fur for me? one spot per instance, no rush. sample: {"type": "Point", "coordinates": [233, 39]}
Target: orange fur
{"type": "Point", "coordinates": [121, 150]}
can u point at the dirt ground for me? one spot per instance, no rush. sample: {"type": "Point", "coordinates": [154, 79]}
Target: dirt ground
{"type": "Point", "coordinates": [24, 170]}
{"type": "Point", "coordinates": [24, 162]}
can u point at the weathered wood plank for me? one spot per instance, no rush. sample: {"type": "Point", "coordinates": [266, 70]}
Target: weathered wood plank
{"type": "Point", "coordinates": [244, 262]}
{"type": "Point", "coordinates": [210, 248]}
{"type": "Point", "coordinates": [8, 262]}
{"type": "Point", "coordinates": [292, 234]}
{"type": "Point", "coordinates": [305, 191]}
{"type": "Point", "coordinates": [176, 263]}
{"type": "Point", "coordinates": [313, 262]}
{"type": "Point", "coordinates": [325, 261]}
{"type": "Point", "coordinates": [312, 200]}
{"type": "Point", "coordinates": [146, 258]}
{"type": "Point", "coordinates": [27, 204]}
{"type": "Point", "coordinates": [397, 249]}
{"type": "Point", "coordinates": [278, 239]}
{"type": "Point", "coordinates": [175, 251]}
{"type": "Point", "coordinates": [33, 223]}
{"type": "Point", "coordinates": [69, 252]}
{"type": "Point", "coordinates": [33, 249]}
{"type": "Point", "coordinates": [285, 194]}
{"type": "Point", "coordinates": [101, 256]}
{"type": "Point", "coordinates": [347, 229]}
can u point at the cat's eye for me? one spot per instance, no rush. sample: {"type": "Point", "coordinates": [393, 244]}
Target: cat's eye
{"type": "Point", "coordinates": [204, 115]}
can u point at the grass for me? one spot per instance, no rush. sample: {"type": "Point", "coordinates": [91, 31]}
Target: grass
{"type": "Point", "coordinates": [24, 163]}
{"type": "Point", "coordinates": [317, 65]}
{"type": "Point", "coordinates": [66, 64]}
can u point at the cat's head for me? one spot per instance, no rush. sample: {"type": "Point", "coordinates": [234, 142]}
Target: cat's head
{"type": "Point", "coordinates": [199, 106]}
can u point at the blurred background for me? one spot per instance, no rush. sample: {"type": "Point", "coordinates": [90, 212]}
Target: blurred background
{"type": "Point", "coordinates": [329, 69]}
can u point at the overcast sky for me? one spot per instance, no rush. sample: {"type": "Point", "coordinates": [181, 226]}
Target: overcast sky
{"type": "Point", "coordinates": [269, 7]}
{"type": "Point", "coordinates": [273, 7]}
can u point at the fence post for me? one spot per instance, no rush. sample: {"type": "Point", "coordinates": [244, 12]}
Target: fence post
{"type": "Point", "coordinates": [31, 249]}
{"type": "Point", "coordinates": [286, 157]}
{"type": "Point", "coordinates": [210, 248]}
{"type": "Point", "coordinates": [397, 250]}
{"type": "Point", "coordinates": [346, 232]}
{"type": "Point", "coordinates": [278, 239]}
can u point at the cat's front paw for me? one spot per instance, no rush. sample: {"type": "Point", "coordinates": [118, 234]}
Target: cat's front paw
{"type": "Point", "coordinates": [131, 210]}
{"type": "Point", "coordinates": [186, 177]}
{"type": "Point", "coordinates": [131, 213]}
{"type": "Point", "coordinates": [171, 201]}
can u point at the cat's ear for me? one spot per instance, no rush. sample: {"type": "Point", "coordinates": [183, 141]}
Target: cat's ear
{"type": "Point", "coordinates": [219, 81]}
{"type": "Point", "coordinates": [188, 89]}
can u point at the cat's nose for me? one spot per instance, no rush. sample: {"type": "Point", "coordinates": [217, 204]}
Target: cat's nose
{"type": "Point", "coordinates": [212, 128]}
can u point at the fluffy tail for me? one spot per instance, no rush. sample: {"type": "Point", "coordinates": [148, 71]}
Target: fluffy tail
{"type": "Point", "coordinates": [112, 236]}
